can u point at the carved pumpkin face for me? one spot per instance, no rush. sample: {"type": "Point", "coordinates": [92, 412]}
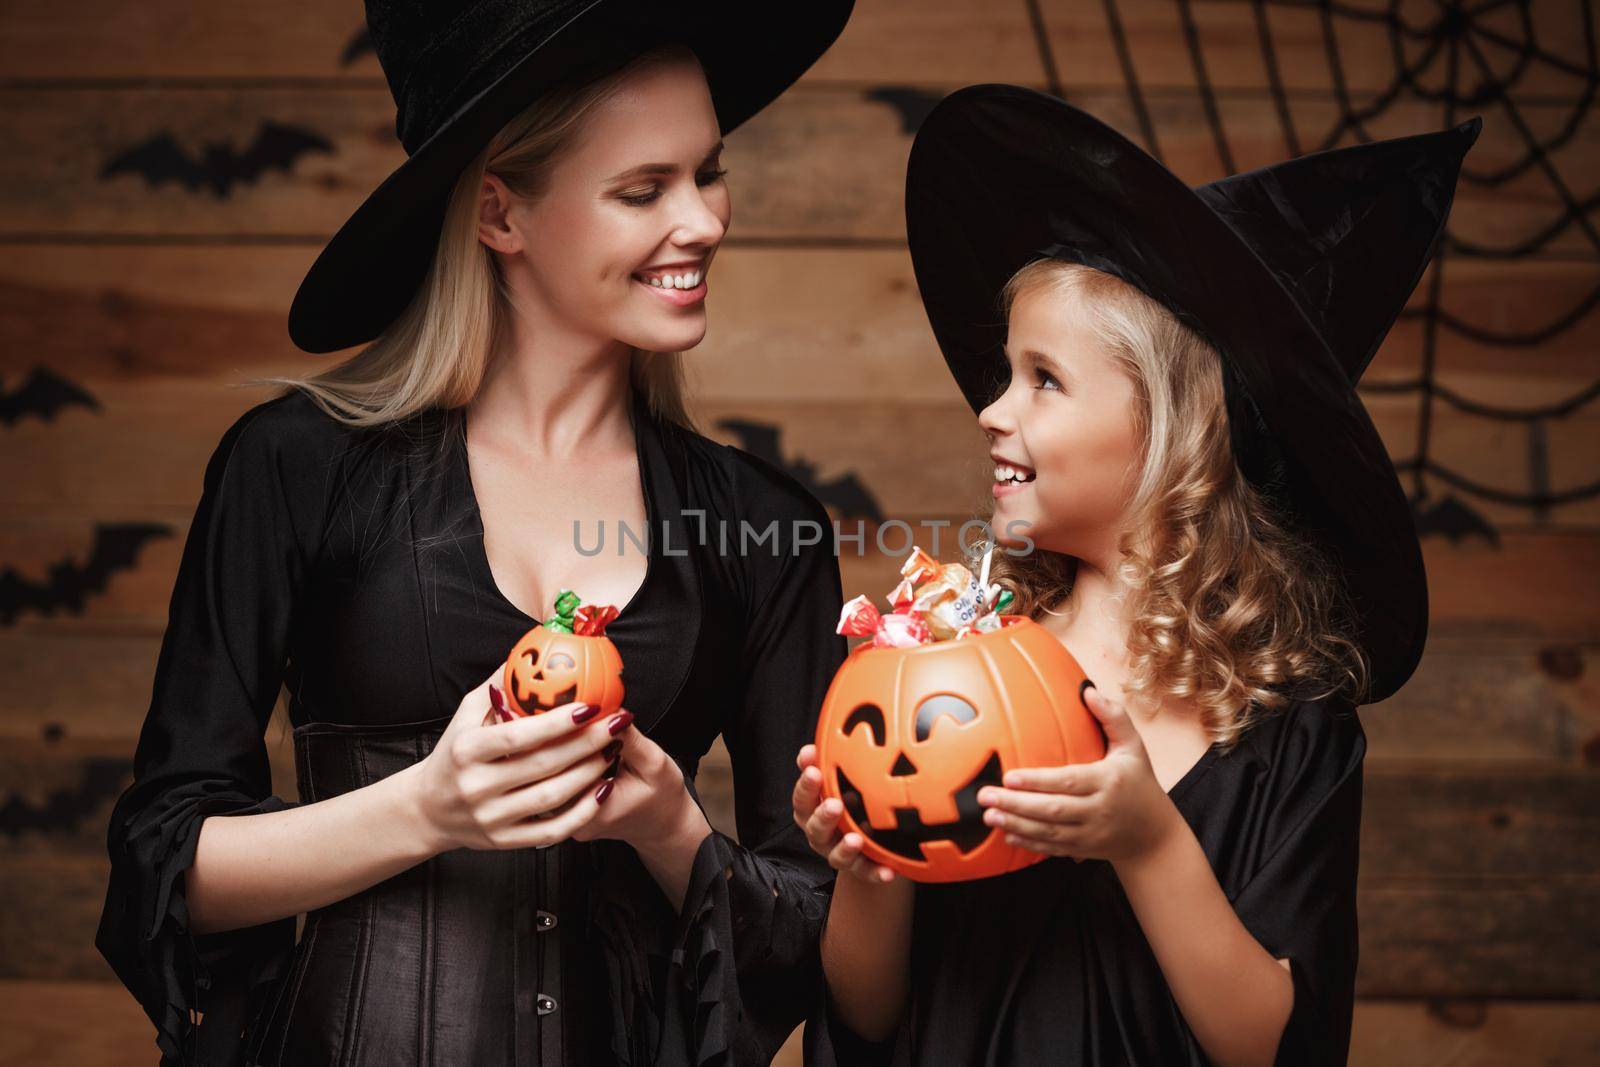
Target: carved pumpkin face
{"type": "Point", "coordinates": [547, 669]}
{"type": "Point", "coordinates": [907, 737]}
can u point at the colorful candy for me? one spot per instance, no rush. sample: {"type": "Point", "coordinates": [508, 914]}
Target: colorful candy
{"type": "Point", "coordinates": [933, 602]}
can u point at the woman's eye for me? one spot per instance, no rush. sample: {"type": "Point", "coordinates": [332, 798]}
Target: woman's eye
{"type": "Point", "coordinates": [641, 199]}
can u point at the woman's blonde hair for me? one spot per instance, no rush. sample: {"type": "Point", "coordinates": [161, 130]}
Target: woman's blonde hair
{"type": "Point", "coordinates": [1228, 605]}
{"type": "Point", "coordinates": [437, 351]}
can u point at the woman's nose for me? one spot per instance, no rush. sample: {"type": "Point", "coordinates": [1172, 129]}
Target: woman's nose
{"type": "Point", "coordinates": [698, 224]}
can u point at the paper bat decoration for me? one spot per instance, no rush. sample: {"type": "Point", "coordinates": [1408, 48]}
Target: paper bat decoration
{"type": "Point", "coordinates": [360, 44]}
{"type": "Point", "coordinates": [1453, 519]}
{"type": "Point", "coordinates": [912, 105]}
{"type": "Point", "coordinates": [846, 493]}
{"type": "Point", "coordinates": [219, 167]}
{"type": "Point", "coordinates": [70, 585]}
{"type": "Point", "coordinates": [65, 810]}
{"type": "Point", "coordinates": [42, 394]}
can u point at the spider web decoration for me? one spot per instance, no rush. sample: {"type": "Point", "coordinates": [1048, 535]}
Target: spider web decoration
{"type": "Point", "coordinates": [1450, 59]}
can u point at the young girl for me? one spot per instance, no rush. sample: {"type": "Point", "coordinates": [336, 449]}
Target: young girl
{"type": "Point", "coordinates": [1218, 538]}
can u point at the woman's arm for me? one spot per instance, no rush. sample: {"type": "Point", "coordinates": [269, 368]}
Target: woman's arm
{"type": "Point", "coordinates": [1233, 994]}
{"type": "Point", "coordinates": [473, 790]}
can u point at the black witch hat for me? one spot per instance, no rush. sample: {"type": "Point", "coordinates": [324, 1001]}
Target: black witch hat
{"type": "Point", "coordinates": [459, 71]}
{"type": "Point", "coordinates": [1293, 272]}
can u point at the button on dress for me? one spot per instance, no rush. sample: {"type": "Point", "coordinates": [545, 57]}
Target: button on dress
{"type": "Point", "coordinates": [347, 566]}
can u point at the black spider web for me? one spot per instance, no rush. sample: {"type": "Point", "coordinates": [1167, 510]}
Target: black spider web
{"type": "Point", "coordinates": [1421, 38]}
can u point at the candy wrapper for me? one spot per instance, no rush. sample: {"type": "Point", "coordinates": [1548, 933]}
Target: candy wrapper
{"type": "Point", "coordinates": [933, 602]}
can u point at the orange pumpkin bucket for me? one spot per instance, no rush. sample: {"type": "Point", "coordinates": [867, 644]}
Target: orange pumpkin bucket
{"type": "Point", "coordinates": [913, 726]}
{"type": "Point", "coordinates": [565, 658]}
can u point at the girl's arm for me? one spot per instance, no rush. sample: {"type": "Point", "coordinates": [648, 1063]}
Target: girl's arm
{"type": "Point", "coordinates": [1233, 994]}
{"type": "Point", "coordinates": [866, 952]}
{"type": "Point", "coordinates": [866, 943]}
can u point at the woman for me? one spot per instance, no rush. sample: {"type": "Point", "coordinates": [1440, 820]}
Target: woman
{"type": "Point", "coordinates": [1218, 537]}
{"type": "Point", "coordinates": [375, 539]}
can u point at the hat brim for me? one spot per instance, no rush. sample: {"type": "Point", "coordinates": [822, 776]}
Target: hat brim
{"type": "Point", "coordinates": [371, 268]}
{"type": "Point", "coordinates": [1000, 175]}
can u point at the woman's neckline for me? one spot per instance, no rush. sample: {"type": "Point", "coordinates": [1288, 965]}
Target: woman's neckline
{"type": "Point", "coordinates": [479, 553]}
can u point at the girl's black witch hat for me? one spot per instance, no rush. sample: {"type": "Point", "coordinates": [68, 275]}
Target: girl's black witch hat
{"type": "Point", "coordinates": [1294, 272]}
{"type": "Point", "coordinates": [459, 71]}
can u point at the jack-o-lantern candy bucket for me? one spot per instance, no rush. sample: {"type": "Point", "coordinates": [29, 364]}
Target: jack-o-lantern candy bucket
{"type": "Point", "coordinates": [907, 737]}
{"type": "Point", "coordinates": [565, 658]}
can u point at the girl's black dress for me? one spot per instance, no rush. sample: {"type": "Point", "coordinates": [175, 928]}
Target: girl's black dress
{"type": "Point", "coordinates": [1048, 965]}
{"type": "Point", "coordinates": [349, 566]}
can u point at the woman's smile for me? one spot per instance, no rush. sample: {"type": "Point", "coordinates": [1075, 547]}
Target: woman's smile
{"type": "Point", "coordinates": [681, 285]}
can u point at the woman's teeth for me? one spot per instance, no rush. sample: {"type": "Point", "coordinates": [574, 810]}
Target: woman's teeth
{"type": "Point", "coordinates": [1003, 473]}
{"type": "Point", "coordinates": [674, 281]}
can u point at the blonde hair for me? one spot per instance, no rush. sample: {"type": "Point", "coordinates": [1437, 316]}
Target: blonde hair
{"type": "Point", "coordinates": [437, 351]}
{"type": "Point", "coordinates": [1228, 605]}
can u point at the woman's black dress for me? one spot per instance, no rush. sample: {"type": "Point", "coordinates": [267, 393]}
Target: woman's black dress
{"type": "Point", "coordinates": [349, 566]}
{"type": "Point", "coordinates": [1048, 965]}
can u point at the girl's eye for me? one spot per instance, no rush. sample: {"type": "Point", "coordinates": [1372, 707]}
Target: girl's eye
{"type": "Point", "coordinates": [704, 179]}
{"type": "Point", "coordinates": [1046, 377]}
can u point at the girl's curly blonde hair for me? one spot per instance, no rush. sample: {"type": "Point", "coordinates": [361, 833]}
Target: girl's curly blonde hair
{"type": "Point", "coordinates": [1228, 606]}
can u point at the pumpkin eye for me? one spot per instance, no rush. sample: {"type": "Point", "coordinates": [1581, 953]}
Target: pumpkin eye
{"type": "Point", "coordinates": [870, 714]}
{"type": "Point", "coordinates": [559, 662]}
{"type": "Point", "coordinates": [532, 655]}
{"type": "Point", "coordinates": [933, 709]}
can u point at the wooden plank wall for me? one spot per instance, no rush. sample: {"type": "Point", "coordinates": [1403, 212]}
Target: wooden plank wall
{"type": "Point", "coordinates": [1479, 883]}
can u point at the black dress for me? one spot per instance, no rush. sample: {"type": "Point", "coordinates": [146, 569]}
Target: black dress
{"type": "Point", "coordinates": [1048, 965]}
{"type": "Point", "coordinates": [349, 566]}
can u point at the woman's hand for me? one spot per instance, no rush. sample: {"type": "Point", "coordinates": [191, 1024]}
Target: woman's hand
{"type": "Point", "coordinates": [1111, 809]}
{"type": "Point", "coordinates": [493, 782]}
{"type": "Point", "coordinates": [820, 820]}
{"type": "Point", "coordinates": [648, 802]}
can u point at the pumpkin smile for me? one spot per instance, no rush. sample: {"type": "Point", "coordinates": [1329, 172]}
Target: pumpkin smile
{"type": "Point", "coordinates": [909, 832]}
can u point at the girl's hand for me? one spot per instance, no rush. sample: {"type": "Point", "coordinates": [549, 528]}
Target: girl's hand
{"type": "Point", "coordinates": [644, 799]}
{"type": "Point", "coordinates": [820, 820]}
{"type": "Point", "coordinates": [516, 783]}
{"type": "Point", "coordinates": [1112, 809]}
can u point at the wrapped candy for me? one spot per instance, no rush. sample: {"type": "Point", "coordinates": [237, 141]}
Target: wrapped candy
{"type": "Point", "coordinates": [919, 566]}
{"type": "Point", "coordinates": [591, 619]}
{"type": "Point", "coordinates": [949, 601]}
{"type": "Point", "coordinates": [859, 618]}
{"type": "Point", "coordinates": [901, 631]}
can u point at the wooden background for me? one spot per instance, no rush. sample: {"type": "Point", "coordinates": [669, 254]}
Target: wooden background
{"type": "Point", "coordinates": [1479, 878]}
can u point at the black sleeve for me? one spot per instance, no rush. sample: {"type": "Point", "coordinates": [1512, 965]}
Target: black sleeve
{"type": "Point", "coordinates": [752, 918]}
{"type": "Point", "coordinates": [1301, 901]}
{"type": "Point", "coordinates": [201, 750]}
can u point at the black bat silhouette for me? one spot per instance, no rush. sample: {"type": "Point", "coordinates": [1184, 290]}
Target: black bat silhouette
{"type": "Point", "coordinates": [1453, 519]}
{"type": "Point", "coordinates": [846, 493]}
{"type": "Point", "coordinates": [912, 105]}
{"type": "Point", "coordinates": [65, 810]}
{"type": "Point", "coordinates": [70, 585]}
{"type": "Point", "coordinates": [42, 394]}
{"type": "Point", "coordinates": [359, 45]}
{"type": "Point", "coordinates": [219, 167]}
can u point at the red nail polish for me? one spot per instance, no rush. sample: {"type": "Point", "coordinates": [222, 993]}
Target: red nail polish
{"type": "Point", "coordinates": [603, 792]}
{"type": "Point", "coordinates": [585, 713]}
{"type": "Point", "coordinates": [620, 722]}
